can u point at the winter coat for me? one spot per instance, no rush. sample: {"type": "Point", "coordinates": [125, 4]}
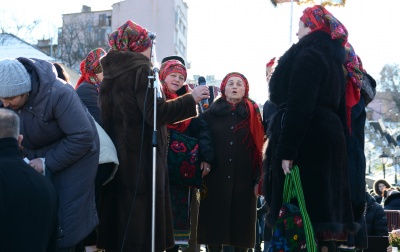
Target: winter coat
{"type": "Point", "coordinates": [375, 218]}
{"type": "Point", "coordinates": [28, 204]}
{"type": "Point", "coordinates": [126, 104]}
{"type": "Point", "coordinates": [227, 214]}
{"type": "Point", "coordinates": [392, 202]}
{"type": "Point", "coordinates": [355, 139]}
{"type": "Point", "coordinates": [269, 110]}
{"type": "Point", "coordinates": [57, 127]}
{"type": "Point", "coordinates": [308, 87]}
{"type": "Point", "coordinates": [180, 194]}
{"type": "Point", "coordinates": [89, 95]}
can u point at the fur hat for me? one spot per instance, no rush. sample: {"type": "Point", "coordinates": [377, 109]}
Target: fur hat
{"type": "Point", "coordinates": [14, 79]}
{"type": "Point", "coordinates": [376, 186]}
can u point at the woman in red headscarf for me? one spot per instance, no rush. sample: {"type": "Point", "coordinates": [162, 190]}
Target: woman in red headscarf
{"type": "Point", "coordinates": [173, 76]}
{"type": "Point", "coordinates": [127, 109]}
{"type": "Point", "coordinates": [227, 214]}
{"type": "Point", "coordinates": [88, 85]}
{"type": "Point", "coordinates": [314, 97]}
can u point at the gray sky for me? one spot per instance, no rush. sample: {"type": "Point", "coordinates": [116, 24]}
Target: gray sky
{"type": "Point", "coordinates": [243, 35]}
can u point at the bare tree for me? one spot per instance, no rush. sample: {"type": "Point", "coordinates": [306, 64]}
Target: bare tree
{"type": "Point", "coordinates": [390, 81]}
{"type": "Point", "coordinates": [24, 29]}
{"type": "Point", "coordinates": [77, 39]}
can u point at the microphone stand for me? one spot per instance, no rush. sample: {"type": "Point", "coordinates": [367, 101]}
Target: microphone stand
{"type": "Point", "coordinates": [157, 96]}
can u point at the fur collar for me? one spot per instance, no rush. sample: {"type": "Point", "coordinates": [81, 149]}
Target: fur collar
{"type": "Point", "coordinates": [221, 107]}
{"type": "Point", "coordinates": [117, 63]}
{"type": "Point", "coordinates": [317, 41]}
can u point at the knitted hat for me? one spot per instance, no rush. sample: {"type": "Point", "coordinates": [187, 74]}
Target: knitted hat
{"type": "Point", "coordinates": [14, 79]}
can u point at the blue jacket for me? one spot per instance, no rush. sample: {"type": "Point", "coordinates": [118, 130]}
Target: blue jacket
{"type": "Point", "coordinates": [56, 126]}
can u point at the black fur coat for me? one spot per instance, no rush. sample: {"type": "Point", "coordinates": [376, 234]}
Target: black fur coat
{"type": "Point", "coordinates": [308, 87]}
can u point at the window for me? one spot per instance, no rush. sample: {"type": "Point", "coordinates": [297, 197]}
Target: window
{"type": "Point", "coordinates": [102, 20]}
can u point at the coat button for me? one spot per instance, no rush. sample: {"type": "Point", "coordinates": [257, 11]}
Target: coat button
{"type": "Point", "coordinates": [232, 127]}
{"type": "Point", "coordinates": [233, 113]}
{"type": "Point", "coordinates": [230, 160]}
{"type": "Point", "coordinates": [229, 177]}
{"type": "Point", "coordinates": [231, 143]}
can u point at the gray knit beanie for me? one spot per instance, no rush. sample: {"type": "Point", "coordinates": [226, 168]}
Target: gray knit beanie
{"type": "Point", "coordinates": [14, 79]}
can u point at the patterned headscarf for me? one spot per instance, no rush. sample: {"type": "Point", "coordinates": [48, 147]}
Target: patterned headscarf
{"type": "Point", "coordinates": [319, 19]}
{"type": "Point", "coordinates": [168, 67]}
{"type": "Point", "coordinates": [91, 66]}
{"type": "Point", "coordinates": [253, 121]}
{"type": "Point", "coordinates": [172, 66]}
{"type": "Point", "coordinates": [129, 37]}
{"type": "Point", "coordinates": [234, 74]}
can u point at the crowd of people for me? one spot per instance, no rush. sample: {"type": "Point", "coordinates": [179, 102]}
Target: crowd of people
{"type": "Point", "coordinates": [76, 165]}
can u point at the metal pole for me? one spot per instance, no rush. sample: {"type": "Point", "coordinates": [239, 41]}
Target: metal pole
{"type": "Point", "coordinates": [291, 22]}
{"type": "Point", "coordinates": [396, 161]}
{"type": "Point", "coordinates": [384, 171]}
{"type": "Point", "coordinates": [369, 163]}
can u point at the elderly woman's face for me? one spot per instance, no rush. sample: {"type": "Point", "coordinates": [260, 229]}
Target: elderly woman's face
{"type": "Point", "coordinates": [15, 102]}
{"type": "Point", "coordinates": [174, 82]}
{"type": "Point", "coordinates": [303, 30]}
{"type": "Point", "coordinates": [235, 89]}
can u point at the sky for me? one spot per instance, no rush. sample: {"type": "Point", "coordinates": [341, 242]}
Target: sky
{"type": "Point", "coordinates": [243, 35]}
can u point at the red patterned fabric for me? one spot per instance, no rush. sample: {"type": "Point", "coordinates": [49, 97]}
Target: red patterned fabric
{"type": "Point", "coordinates": [319, 19]}
{"type": "Point", "coordinates": [179, 126]}
{"type": "Point", "coordinates": [129, 37]}
{"type": "Point", "coordinates": [254, 120]}
{"type": "Point", "coordinates": [172, 66]}
{"type": "Point", "coordinates": [91, 66]}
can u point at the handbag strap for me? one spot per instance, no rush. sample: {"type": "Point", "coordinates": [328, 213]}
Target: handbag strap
{"type": "Point", "coordinates": [293, 189]}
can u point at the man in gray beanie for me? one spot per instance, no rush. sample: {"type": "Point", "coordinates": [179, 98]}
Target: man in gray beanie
{"type": "Point", "coordinates": [60, 141]}
{"type": "Point", "coordinates": [14, 79]}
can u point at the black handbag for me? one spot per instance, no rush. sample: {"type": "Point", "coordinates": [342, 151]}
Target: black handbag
{"type": "Point", "coordinates": [183, 161]}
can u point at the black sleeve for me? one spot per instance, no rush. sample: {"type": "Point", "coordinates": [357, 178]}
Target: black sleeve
{"type": "Point", "coordinates": [202, 132]}
{"type": "Point", "coordinates": [89, 96]}
{"type": "Point", "coordinates": [379, 223]}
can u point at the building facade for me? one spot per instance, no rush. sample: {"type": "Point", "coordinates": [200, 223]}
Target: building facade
{"type": "Point", "coordinates": [81, 33]}
{"type": "Point", "coordinates": [166, 18]}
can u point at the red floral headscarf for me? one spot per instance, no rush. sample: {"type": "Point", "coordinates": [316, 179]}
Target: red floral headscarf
{"type": "Point", "coordinates": [319, 19]}
{"type": "Point", "coordinates": [234, 74]}
{"type": "Point", "coordinates": [172, 66]}
{"type": "Point", "coordinates": [129, 37]}
{"type": "Point", "coordinates": [168, 67]}
{"type": "Point", "coordinates": [91, 66]}
{"type": "Point", "coordinates": [253, 121]}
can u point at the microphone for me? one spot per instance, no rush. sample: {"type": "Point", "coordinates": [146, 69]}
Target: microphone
{"type": "Point", "coordinates": [202, 81]}
{"type": "Point", "coordinates": [156, 68]}
{"type": "Point", "coordinates": [151, 35]}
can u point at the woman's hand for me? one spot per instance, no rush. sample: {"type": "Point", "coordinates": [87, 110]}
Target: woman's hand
{"type": "Point", "coordinates": [287, 165]}
{"type": "Point", "coordinates": [37, 164]}
{"type": "Point", "coordinates": [200, 92]}
{"type": "Point", "coordinates": [206, 168]}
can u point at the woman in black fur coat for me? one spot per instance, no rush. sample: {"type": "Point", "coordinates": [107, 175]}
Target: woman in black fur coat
{"type": "Point", "coordinates": [314, 99]}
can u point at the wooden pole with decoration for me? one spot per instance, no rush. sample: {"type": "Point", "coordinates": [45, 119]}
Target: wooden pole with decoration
{"type": "Point", "coordinates": [312, 2]}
